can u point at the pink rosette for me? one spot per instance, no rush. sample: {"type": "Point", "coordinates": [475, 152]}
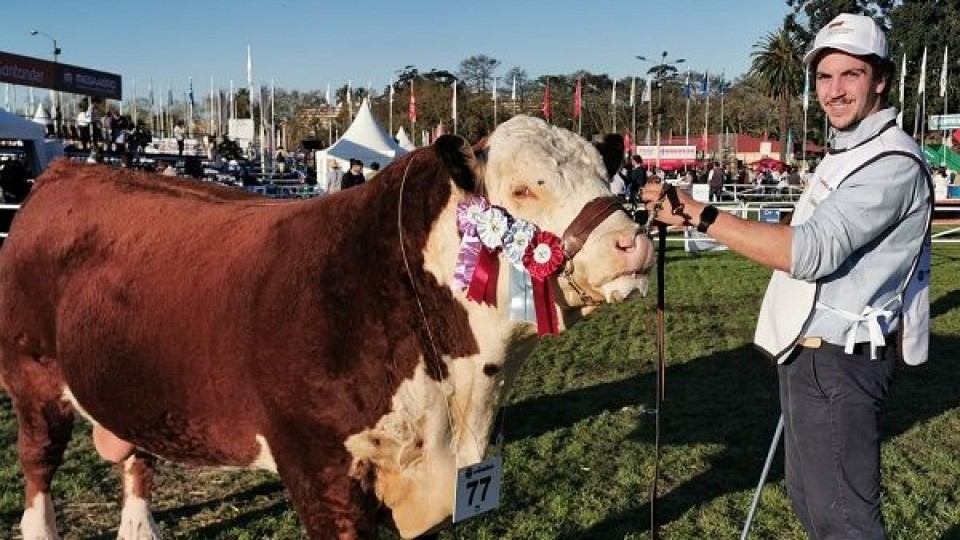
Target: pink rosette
{"type": "Point", "coordinates": [468, 212]}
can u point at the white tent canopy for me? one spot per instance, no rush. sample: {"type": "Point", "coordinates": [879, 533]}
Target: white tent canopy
{"type": "Point", "coordinates": [365, 140]}
{"type": "Point", "coordinates": [404, 140]}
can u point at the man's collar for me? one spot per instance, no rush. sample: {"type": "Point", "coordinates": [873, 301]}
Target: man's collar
{"type": "Point", "coordinates": [853, 135]}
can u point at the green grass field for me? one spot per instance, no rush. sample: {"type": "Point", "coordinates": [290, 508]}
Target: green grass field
{"type": "Point", "coordinates": [578, 457]}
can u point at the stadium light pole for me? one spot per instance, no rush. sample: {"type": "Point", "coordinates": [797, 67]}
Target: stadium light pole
{"type": "Point", "coordinates": [660, 68]}
{"type": "Point", "coordinates": [56, 82]}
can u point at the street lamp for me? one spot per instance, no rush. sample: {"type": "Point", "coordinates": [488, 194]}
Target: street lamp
{"type": "Point", "coordinates": [660, 68]}
{"type": "Point", "coordinates": [56, 80]}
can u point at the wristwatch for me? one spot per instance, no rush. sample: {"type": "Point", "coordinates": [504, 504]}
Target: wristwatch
{"type": "Point", "coordinates": [707, 217]}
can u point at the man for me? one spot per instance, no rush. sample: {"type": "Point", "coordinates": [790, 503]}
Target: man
{"type": "Point", "coordinates": [847, 296]}
{"type": "Point", "coordinates": [715, 182]}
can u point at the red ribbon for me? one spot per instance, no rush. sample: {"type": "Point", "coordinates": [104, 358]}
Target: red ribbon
{"type": "Point", "coordinates": [541, 277]}
{"type": "Point", "coordinates": [483, 286]}
{"type": "Point", "coordinates": [547, 324]}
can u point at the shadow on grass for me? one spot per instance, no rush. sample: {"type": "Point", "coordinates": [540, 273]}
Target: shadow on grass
{"type": "Point", "coordinates": [171, 517]}
{"type": "Point", "coordinates": [728, 398]}
{"type": "Point", "coordinates": [952, 534]}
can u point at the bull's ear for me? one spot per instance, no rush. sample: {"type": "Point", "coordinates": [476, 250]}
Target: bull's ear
{"type": "Point", "coordinates": [460, 161]}
{"type": "Point", "coordinates": [611, 150]}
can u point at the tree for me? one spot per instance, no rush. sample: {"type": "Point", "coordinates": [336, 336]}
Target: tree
{"type": "Point", "coordinates": [476, 70]}
{"type": "Point", "coordinates": [809, 16]}
{"type": "Point", "coordinates": [777, 62]}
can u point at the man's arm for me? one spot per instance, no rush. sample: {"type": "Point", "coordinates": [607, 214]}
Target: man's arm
{"type": "Point", "coordinates": [769, 244]}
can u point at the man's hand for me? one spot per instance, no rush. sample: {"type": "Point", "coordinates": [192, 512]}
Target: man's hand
{"type": "Point", "coordinates": [653, 195]}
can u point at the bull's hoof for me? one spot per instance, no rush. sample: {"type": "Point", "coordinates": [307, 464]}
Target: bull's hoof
{"type": "Point", "coordinates": [39, 521]}
{"type": "Point", "coordinates": [136, 523]}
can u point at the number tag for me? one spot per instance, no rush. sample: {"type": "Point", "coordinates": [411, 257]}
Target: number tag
{"type": "Point", "coordinates": [478, 489]}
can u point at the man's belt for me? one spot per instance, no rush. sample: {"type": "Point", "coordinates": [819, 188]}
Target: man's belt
{"type": "Point", "coordinates": [816, 342]}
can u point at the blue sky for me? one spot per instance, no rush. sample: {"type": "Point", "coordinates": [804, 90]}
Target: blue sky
{"type": "Point", "coordinates": [306, 44]}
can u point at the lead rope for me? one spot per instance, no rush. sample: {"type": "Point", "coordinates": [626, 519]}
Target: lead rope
{"type": "Point", "coordinates": [668, 192]}
{"type": "Point", "coordinates": [661, 375]}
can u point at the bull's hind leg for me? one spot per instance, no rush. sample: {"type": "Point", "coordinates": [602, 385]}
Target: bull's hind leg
{"type": "Point", "coordinates": [45, 424]}
{"type": "Point", "coordinates": [136, 522]}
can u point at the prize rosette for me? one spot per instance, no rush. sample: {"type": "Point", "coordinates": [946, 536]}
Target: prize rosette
{"type": "Point", "coordinates": [543, 258]}
{"type": "Point", "coordinates": [492, 224]}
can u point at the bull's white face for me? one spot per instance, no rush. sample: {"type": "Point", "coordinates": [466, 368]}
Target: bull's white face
{"type": "Point", "coordinates": [546, 175]}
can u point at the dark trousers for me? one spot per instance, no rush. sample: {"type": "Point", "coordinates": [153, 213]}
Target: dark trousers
{"type": "Point", "coordinates": [831, 405]}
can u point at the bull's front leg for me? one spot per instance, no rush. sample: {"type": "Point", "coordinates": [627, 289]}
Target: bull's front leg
{"type": "Point", "coordinates": [330, 504]}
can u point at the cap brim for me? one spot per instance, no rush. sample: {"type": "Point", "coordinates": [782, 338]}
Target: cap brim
{"type": "Point", "coordinates": [845, 47]}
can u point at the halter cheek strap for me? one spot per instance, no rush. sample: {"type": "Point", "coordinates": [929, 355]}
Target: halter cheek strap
{"type": "Point", "coordinates": [590, 216]}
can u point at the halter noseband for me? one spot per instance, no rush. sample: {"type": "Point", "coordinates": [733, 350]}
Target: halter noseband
{"type": "Point", "coordinates": [590, 216]}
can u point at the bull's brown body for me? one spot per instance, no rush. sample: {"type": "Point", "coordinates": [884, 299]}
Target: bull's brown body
{"type": "Point", "coordinates": [212, 328]}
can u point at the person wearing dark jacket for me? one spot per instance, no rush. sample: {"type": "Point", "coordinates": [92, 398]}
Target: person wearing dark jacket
{"type": "Point", "coordinates": [353, 177]}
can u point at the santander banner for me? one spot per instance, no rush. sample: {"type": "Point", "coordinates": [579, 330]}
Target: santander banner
{"type": "Point", "coordinates": [26, 71]}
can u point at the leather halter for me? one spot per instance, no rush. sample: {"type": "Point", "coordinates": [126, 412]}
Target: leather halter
{"type": "Point", "coordinates": [591, 215]}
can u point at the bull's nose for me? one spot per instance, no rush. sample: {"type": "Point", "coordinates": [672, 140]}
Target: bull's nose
{"type": "Point", "coordinates": [638, 249]}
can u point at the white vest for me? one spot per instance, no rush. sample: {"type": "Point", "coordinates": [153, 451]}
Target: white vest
{"type": "Point", "coordinates": [789, 303]}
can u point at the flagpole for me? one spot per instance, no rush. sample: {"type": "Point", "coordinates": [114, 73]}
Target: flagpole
{"type": "Point", "coordinates": [613, 108]}
{"type": "Point", "coordinates": [454, 106]}
{"type": "Point", "coordinates": [687, 123]}
{"type": "Point", "coordinates": [391, 107]}
{"type": "Point", "coordinates": [494, 103]}
{"type": "Point", "coordinates": [633, 107]}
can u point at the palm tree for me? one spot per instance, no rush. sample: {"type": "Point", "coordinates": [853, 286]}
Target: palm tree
{"type": "Point", "coordinates": [778, 64]}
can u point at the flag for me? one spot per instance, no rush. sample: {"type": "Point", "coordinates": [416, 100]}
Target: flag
{"type": "Point", "coordinates": [806, 88]}
{"type": "Point", "coordinates": [150, 91]}
{"type": "Point", "coordinates": [190, 93]}
{"type": "Point", "coordinates": [613, 95]}
{"type": "Point", "coordinates": [705, 85]}
{"type": "Point", "coordinates": [577, 99]}
{"type": "Point", "coordinates": [454, 101]}
{"type": "Point", "coordinates": [789, 149]}
{"type": "Point", "coordinates": [722, 85]}
{"type": "Point", "coordinates": [687, 87]}
{"type": "Point", "coordinates": [350, 93]}
{"type": "Point", "coordinates": [547, 106]}
{"type": "Point", "coordinates": [922, 83]}
{"type": "Point", "coordinates": [413, 105]}
{"type": "Point", "coordinates": [647, 90]}
{"type": "Point", "coordinates": [327, 96]}
{"type": "Point", "coordinates": [494, 91]}
{"type": "Point", "coordinates": [943, 74]}
{"type": "Point", "coordinates": [513, 93]}
{"type": "Point", "coordinates": [249, 71]}
{"type": "Point", "coordinates": [627, 144]}
{"type": "Point", "coordinates": [633, 91]}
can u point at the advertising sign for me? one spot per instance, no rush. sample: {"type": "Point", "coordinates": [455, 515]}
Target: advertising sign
{"type": "Point", "coordinates": [26, 71]}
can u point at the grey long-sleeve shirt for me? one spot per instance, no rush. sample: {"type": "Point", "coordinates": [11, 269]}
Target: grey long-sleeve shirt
{"type": "Point", "coordinates": [861, 241]}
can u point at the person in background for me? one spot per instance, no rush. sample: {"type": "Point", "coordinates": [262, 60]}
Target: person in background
{"type": "Point", "coordinates": [637, 178]}
{"type": "Point", "coordinates": [715, 178]}
{"type": "Point", "coordinates": [180, 134]}
{"type": "Point", "coordinates": [334, 177]}
{"type": "Point", "coordinates": [374, 169]}
{"type": "Point", "coordinates": [848, 295]}
{"type": "Point", "coordinates": [354, 176]}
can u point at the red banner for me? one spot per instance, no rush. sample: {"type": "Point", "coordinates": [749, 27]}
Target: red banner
{"type": "Point", "coordinates": [413, 105]}
{"type": "Point", "coordinates": [577, 100]}
{"type": "Point", "coordinates": [547, 106]}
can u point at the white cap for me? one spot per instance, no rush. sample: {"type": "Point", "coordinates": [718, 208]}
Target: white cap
{"type": "Point", "coordinates": [854, 34]}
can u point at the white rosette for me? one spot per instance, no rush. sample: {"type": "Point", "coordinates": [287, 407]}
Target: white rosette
{"type": "Point", "coordinates": [516, 241]}
{"type": "Point", "coordinates": [492, 225]}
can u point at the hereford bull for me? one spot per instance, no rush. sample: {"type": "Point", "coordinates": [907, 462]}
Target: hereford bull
{"type": "Point", "coordinates": [324, 340]}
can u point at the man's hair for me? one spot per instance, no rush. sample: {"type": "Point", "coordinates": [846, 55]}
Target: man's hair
{"type": "Point", "coordinates": [883, 68]}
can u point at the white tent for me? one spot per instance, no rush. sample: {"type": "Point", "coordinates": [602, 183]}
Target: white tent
{"type": "Point", "coordinates": [12, 127]}
{"type": "Point", "coordinates": [365, 140]}
{"type": "Point", "coordinates": [404, 140]}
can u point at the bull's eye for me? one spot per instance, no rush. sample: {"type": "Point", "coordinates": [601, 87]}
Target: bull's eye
{"type": "Point", "coordinates": [522, 192]}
